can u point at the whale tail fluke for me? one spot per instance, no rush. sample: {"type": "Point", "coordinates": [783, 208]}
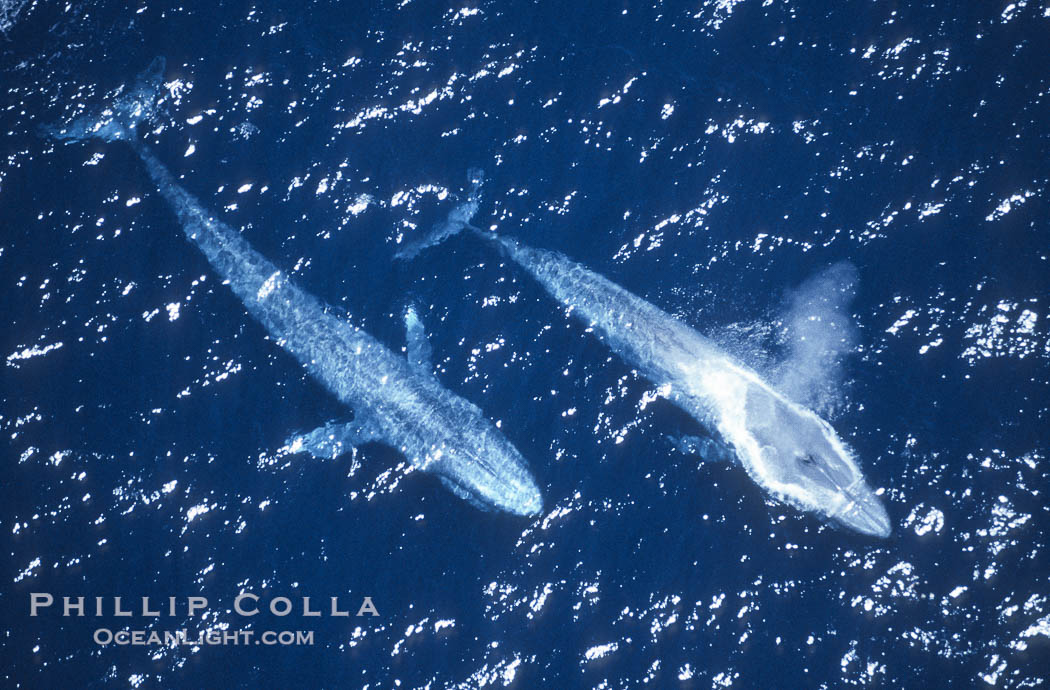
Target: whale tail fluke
{"type": "Point", "coordinates": [459, 218]}
{"type": "Point", "coordinates": [119, 120]}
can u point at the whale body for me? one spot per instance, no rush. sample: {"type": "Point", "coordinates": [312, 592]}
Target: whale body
{"type": "Point", "coordinates": [786, 448]}
{"type": "Point", "coordinates": [396, 401]}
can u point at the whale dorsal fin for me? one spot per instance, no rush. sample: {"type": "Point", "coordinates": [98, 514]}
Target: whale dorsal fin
{"type": "Point", "coordinates": [333, 439]}
{"type": "Point", "coordinates": [419, 351]}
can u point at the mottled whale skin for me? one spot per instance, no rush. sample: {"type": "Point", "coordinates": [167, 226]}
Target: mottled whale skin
{"type": "Point", "coordinates": [396, 401]}
{"type": "Point", "coordinates": [786, 448]}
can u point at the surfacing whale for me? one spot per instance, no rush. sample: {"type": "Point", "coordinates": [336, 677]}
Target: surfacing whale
{"type": "Point", "coordinates": [396, 401]}
{"type": "Point", "coordinates": [786, 448]}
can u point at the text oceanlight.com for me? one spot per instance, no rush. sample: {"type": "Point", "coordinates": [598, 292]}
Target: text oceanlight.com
{"type": "Point", "coordinates": [174, 638]}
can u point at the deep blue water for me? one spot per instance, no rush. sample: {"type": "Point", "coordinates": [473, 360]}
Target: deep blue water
{"type": "Point", "coordinates": [709, 157]}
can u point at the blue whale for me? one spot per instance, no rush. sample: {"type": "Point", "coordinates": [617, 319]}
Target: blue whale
{"type": "Point", "coordinates": [396, 401]}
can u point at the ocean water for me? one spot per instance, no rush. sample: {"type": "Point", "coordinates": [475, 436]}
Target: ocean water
{"type": "Point", "coordinates": [709, 156]}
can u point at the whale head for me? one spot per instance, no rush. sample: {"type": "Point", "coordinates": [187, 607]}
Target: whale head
{"type": "Point", "coordinates": [486, 470]}
{"type": "Point", "coordinates": [797, 456]}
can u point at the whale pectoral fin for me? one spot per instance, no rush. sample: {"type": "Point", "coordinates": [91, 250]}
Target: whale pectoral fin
{"type": "Point", "coordinates": [464, 494]}
{"type": "Point", "coordinates": [332, 440]}
{"type": "Point", "coordinates": [708, 449]}
{"type": "Point", "coordinates": [419, 352]}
